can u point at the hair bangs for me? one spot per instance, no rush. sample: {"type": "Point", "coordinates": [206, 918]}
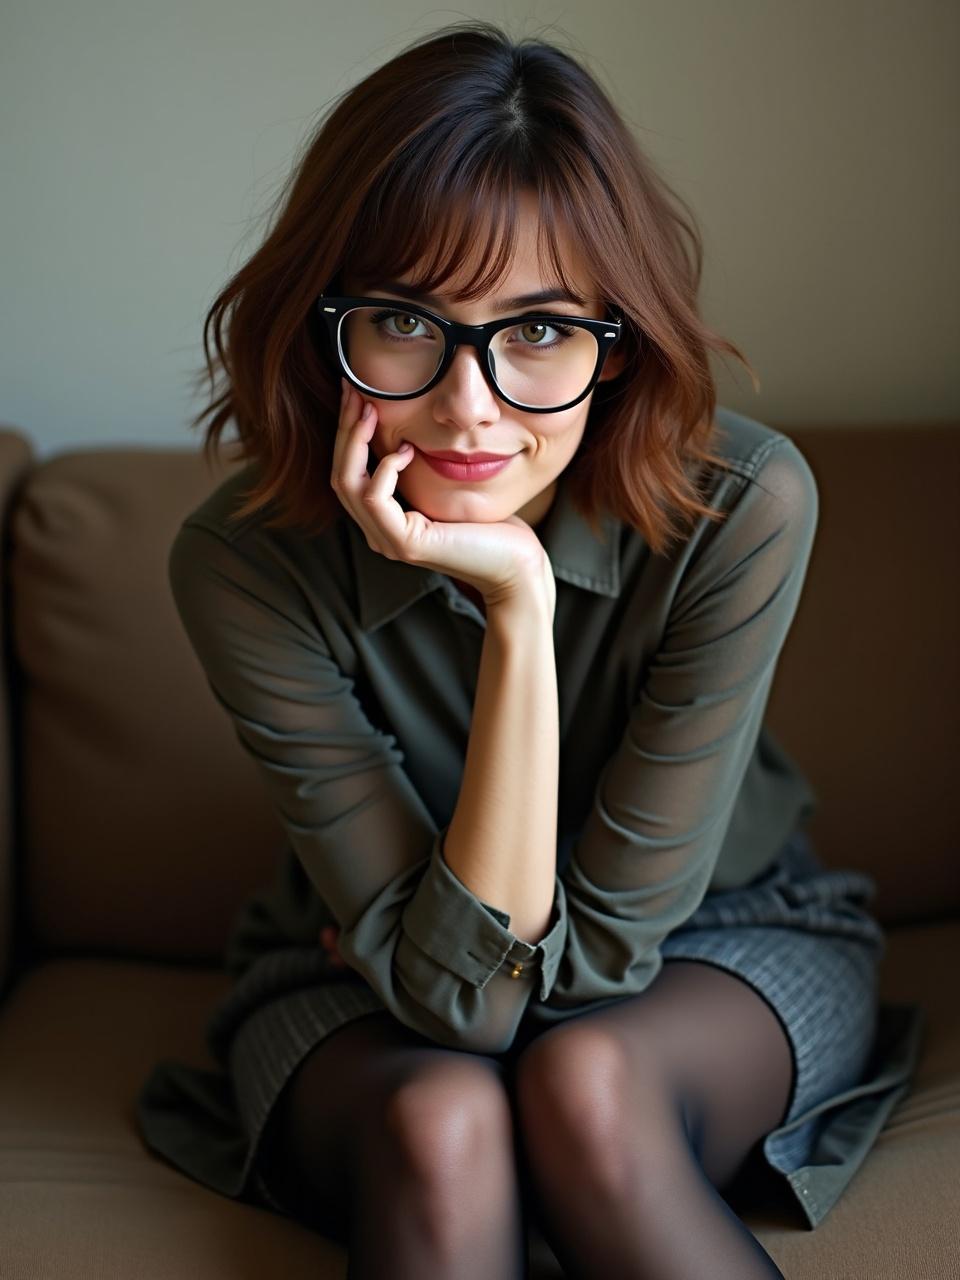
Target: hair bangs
{"type": "Point", "coordinates": [562, 233]}
{"type": "Point", "coordinates": [577, 222]}
{"type": "Point", "coordinates": [448, 225]}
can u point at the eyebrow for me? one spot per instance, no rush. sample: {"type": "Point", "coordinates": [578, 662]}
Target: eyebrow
{"type": "Point", "coordinates": [555, 294]}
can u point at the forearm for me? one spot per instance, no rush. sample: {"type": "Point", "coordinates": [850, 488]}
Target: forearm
{"type": "Point", "coordinates": [502, 838]}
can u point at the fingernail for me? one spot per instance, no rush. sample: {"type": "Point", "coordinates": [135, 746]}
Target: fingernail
{"type": "Point", "coordinates": [366, 410]}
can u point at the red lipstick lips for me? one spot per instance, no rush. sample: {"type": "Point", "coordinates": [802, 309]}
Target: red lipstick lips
{"type": "Point", "coordinates": [469, 459]}
{"type": "Point", "coordinates": [466, 466]}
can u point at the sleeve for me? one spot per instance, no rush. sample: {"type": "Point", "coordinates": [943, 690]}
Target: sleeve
{"type": "Point", "coordinates": [644, 859]}
{"type": "Point", "coordinates": [439, 958]}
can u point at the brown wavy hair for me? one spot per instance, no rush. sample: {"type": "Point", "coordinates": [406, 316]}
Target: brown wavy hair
{"type": "Point", "coordinates": [421, 159]}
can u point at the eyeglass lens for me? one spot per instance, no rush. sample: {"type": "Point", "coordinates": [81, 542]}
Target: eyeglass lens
{"type": "Point", "coordinates": [537, 363]}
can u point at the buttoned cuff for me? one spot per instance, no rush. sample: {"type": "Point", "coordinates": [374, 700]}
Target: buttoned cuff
{"type": "Point", "coordinates": [472, 939]}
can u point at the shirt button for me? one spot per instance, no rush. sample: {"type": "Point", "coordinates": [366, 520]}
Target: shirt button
{"type": "Point", "coordinates": [517, 968]}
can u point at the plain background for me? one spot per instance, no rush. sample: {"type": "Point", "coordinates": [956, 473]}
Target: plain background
{"type": "Point", "coordinates": [816, 141]}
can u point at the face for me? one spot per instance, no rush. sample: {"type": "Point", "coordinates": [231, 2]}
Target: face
{"type": "Point", "coordinates": [463, 413]}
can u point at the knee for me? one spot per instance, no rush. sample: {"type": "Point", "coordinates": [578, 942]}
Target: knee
{"type": "Point", "coordinates": [578, 1098]}
{"type": "Point", "coordinates": [442, 1129]}
{"type": "Point", "coordinates": [573, 1080]}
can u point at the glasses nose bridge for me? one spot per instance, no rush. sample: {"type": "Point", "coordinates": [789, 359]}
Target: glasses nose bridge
{"type": "Point", "coordinates": [477, 336]}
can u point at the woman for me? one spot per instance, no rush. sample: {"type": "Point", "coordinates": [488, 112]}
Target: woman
{"type": "Point", "coordinates": [548, 938]}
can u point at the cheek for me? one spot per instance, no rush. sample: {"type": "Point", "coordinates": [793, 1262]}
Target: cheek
{"type": "Point", "coordinates": [389, 432]}
{"type": "Point", "coordinates": [563, 433]}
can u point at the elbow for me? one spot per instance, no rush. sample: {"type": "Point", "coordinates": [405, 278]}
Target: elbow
{"type": "Point", "coordinates": [463, 1023]}
{"type": "Point", "coordinates": [477, 1020]}
{"type": "Point", "coordinates": [449, 1010]}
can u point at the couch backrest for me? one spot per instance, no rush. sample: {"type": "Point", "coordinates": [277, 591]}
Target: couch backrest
{"type": "Point", "coordinates": [16, 457]}
{"type": "Point", "coordinates": [141, 821]}
{"type": "Point", "coordinates": [142, 824]}
{"type": "Point", "coordinates": [867, 691]}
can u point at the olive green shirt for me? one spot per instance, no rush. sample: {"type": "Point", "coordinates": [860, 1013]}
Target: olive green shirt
{"type": "Point", "coordinates": [350, 679]}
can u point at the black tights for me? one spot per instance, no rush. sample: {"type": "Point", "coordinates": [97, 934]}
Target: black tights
{"type": "Point", "coordinates": [617, 1130]}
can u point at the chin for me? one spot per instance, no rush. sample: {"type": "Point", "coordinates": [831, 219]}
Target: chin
{"type": "Point", "coordinates": [466, 506]}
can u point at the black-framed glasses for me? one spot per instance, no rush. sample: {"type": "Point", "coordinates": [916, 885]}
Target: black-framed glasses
{"type": "Point", "coordinates": [540, 362]}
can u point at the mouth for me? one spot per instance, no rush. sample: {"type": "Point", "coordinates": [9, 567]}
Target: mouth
{"type": "Point", "coordinates": [476, 467]}
{"type": "Point", "coordinates": [467, 459]}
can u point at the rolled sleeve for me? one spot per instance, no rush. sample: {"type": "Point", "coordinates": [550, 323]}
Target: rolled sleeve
{"type": "Point", "coordinates": [449, 923]}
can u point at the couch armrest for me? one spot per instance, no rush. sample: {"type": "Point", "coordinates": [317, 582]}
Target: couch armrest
{"type": "Point", "coordinates": [16, 458]}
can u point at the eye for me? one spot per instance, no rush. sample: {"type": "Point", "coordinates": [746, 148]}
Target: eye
{"type": "Point", "coordinates": [534, 328]}
{"type": "Point", "coordinates": [406, 324]}
{"type": "Point", "coordinates": [405, 321]}
{"type": "Point", "coordinates": [534, 333]}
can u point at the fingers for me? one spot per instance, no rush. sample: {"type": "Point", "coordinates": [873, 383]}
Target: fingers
{"type": "Point", "coordinates": [369, 500]}
{"type": "Point", "coordinates": [349, 461]}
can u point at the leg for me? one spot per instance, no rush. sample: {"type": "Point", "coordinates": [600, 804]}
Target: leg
{"type": "Point", "coordinates": [403, 1151]}
{"type": "Point", "coordinates": [632, 1119]}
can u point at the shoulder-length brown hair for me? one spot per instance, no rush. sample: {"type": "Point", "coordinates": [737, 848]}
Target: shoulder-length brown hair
{"type": "Point", "coordinates": [416, 163]}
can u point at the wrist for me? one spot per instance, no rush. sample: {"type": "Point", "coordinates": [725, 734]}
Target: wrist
{"type": "Point", "coordinates": [526, 609]}
{"type": "Point", "coordinates": [532, 593]}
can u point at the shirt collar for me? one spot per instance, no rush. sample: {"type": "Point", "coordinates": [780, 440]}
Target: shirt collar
{"type": "Point", "coordinates": [578, 556]}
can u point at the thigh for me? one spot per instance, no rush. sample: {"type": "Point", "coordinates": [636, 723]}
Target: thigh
{"type": "Point", "coordinates": [700, 1040]}
{"type": "Point", "coordinates": [330, 1103]}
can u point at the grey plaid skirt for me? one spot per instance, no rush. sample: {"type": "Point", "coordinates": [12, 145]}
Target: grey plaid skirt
{"type": "Point", "coordinates": [799, 934]}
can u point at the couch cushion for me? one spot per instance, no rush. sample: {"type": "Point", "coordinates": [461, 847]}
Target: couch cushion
{"type": "Point", "coordinates": [78, 1037]}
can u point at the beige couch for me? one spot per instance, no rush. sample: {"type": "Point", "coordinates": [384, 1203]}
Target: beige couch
{"type": "Point", "coordinates": [133, 826]}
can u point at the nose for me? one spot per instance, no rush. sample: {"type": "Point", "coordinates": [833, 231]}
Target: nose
{"type": "Point", "coordinates": [463, 393]}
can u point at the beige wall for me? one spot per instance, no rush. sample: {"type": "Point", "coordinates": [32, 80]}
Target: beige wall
{"type": "Point", "coordinates": [817, 142]}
